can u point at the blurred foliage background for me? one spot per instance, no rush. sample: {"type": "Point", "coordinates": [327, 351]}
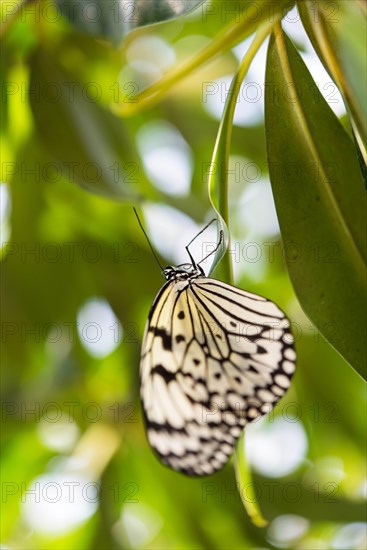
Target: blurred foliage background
{"type": "Point", "coordinates": [78, 280]}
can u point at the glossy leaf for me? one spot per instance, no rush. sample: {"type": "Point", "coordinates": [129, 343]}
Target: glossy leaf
{"type": "Point", "coordinates": [113, 20]}
{"type": "Point", "coordinates": [320, 202]}
{"type": "Point", "coordinates": [87, 140]}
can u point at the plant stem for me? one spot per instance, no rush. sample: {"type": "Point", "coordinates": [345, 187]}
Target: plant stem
{"type": "Point", "coordinates": [244, 480]}
{"type": "Point", "coordinates": [218, 177]}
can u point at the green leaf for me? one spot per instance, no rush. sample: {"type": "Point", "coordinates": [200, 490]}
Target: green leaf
{"type": "Point", "coordinates": [113, 20]}
{"type": "Point", "coordinates": [320, 202]}
{"type": "Point", "coordinates": [89, 142]}
{"type": "Point", "coordinates": [337, 31]}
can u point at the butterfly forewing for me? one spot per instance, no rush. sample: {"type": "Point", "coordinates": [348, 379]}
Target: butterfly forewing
{"type": "Point", "coordinates": [214, 357]}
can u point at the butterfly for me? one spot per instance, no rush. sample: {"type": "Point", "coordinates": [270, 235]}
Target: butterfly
{"type": "Point", "coordinates": [214, 357]}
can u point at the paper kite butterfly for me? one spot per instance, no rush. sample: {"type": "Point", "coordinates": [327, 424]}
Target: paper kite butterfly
{"type": "Point", "coordinates": [214, 357]}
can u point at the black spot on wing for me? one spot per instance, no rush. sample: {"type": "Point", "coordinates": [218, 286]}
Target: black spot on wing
{"type": "Point", "coordinates": [164, 335]}
{"type": "Point", "coordinates": [167, 375]}
{"type": "Point", "coordinates": [251, 368]}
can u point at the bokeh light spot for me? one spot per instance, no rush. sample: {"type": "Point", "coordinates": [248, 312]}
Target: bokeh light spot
{"type": "Point", "coordinates": [60, 435]}
{"type": "Point", "coordinates": [99, 329]}
{"type": "Point", "coordinates": [57, 503]}
{"type": "Point", "coordinates": [166, 157]}
{"type": "Point", "coordinates": [140, 523]}
{"type": "Point", "coordinates": [285, 530]}
{"type": "Point", "coordinates": [275, 448]}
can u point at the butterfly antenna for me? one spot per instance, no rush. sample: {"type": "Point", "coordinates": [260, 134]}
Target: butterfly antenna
{"type": "Point", "coordinates": [146, 236]}
{"type": "Point", "coordinates": [196, 236]}
{"type": "Point", "coordinates": [221, 235]}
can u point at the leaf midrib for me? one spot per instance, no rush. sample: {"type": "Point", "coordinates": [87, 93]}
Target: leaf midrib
{"type": "Point", "coordinates": [287, 72]}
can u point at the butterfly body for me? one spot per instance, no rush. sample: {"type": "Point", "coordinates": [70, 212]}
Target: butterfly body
{"type": "Point", "coordinates": [214, 358]}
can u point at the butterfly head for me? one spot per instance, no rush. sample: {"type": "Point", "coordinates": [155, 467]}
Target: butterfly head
{"type": "Point", "coordinates": [182, 272]}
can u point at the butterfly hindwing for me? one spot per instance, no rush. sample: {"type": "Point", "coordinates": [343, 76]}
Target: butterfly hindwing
{"type": "Point", "coordinates": [214, 357]}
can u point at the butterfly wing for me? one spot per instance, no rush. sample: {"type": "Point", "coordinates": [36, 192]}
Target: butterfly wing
{"type": "Point", "coordinates": [214, 357]}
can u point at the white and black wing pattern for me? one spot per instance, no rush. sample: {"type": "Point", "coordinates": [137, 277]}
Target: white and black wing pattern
{"type": "Point", "coordinates": [214, 357]}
